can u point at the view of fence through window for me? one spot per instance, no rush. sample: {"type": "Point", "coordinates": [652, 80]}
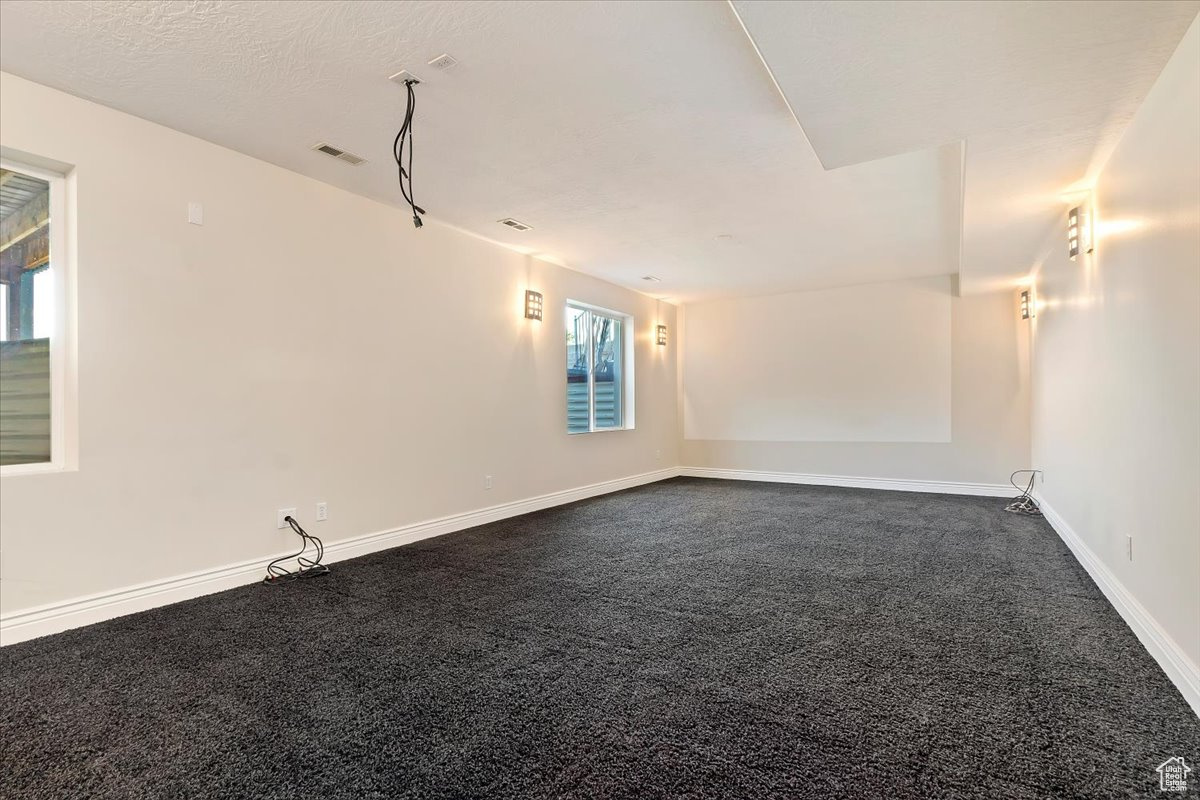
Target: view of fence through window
{"type": "Point", "coordinates": [27, 307]}
{"type": "Point", "coordinates": [595, 367]}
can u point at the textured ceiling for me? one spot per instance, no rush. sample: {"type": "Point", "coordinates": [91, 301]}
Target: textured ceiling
{"type": "Point", "coordinates": [632, 135]}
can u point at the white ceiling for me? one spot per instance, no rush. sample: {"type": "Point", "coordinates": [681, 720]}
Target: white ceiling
{"type": "Point", "coordinates": [1039, 91]}
{"type": "Point", "coordinates": [632, 135]}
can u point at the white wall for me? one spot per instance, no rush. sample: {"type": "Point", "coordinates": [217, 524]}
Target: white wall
{"type": "Point", "coordinates": [982, 390]}
{"type": "Point", "coordinates": [1116, 361]}
{"type": "Point", "coordinates": [855, 364]}
{"type": "Point", "coordinates": [305, 344]}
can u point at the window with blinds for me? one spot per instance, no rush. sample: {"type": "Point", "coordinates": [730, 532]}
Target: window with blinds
{"type": "Point", "coordinates": [599, 369]}
{"type": "Point", "coordinates": [29, 303]}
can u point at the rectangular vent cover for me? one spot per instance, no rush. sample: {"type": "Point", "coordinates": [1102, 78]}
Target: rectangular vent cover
{"type": "Point", "coordinates": [515, 225]}
{"type": "Point", "coordinates": [338, 153]}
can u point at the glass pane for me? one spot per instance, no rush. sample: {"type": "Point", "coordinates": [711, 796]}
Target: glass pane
{"type": "Point", "coordinates": [28, 319]}
{"type": "Point", "coordinates": [606, 333]}
{"type": "Point", "coordinates": [577, 366]}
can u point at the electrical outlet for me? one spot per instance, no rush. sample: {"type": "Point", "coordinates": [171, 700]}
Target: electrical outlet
{"type": "Point", "coordinates": [1129, 547]}
{"type": "Point", "coordinates": [658, 455]}
{"type": "Point", "coordinates": [487, 481]}
{"type": "Point", "coordinates": [322, 512]}
{"type": "Point", "coordinates": [280, 522]}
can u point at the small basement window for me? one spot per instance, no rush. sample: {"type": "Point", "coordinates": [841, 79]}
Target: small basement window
{"type": "Point", "coordinates": [599, 369]}
{"type": "Point", "coordinates": [32, 297]}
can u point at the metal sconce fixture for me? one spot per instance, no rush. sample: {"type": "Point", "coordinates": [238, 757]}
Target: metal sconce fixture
{"type": "Point", "coordinates": [533, 305]}
{"type": "Point", "coordinates": [1079, 234]}
{"type": "Point", "coordinates": [660, 335]}
{"type": "Point", "coordinates": [1026, 305]}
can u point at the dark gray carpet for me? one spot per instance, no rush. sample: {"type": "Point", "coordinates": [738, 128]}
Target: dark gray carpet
{"type": "Point", "coordinates": [686, 639]}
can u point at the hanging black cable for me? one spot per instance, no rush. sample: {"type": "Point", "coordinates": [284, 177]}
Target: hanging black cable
{"type": "Point", "coordinates": [403, 137]}
{"type": "Point", "coordinates": [308, 567]}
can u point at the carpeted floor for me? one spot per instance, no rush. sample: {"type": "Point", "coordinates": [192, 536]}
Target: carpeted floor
{"type": "Point", "coordinates": [686, 639]}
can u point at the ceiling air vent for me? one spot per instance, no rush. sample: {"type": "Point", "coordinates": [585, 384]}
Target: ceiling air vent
{"type": "Point", "coordinates": [338, 153]}
{"type": "Point", "coordinates": [444, 61]}
{"type": "Point", "coordinates": [516, 226]}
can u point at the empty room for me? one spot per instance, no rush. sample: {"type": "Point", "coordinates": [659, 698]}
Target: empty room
{"type": "Point", "coordinates": [511, 399]}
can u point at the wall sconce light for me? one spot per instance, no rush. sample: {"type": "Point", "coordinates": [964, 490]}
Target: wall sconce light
{"type": "Point", "coordinates": [660, 335]}
{"type": "Point", "coordinates": [533, 305]}
{"type": "Point", "coordinates": [1079, 234]}
{"type": "Point", "coordinates": [1026, 305]}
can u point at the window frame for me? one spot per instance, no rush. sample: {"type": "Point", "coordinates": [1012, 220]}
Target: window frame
{"type": "Point", "coordinates": [628, 360]}
{"type": "Point", "coordinates": [62, 344]}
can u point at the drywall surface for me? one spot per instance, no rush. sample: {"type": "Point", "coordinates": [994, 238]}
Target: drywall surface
{"type": "Point", "coordinates": [987, 398]}
{"type": "Point", "coordinates": [1116, 360]}
{"type": "Point", "coordinates": [303, 345]}
{"type": "Point", "coordinates": [864, 363]}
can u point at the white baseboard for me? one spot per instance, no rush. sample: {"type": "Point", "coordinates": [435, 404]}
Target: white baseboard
{"type": "Point", "coordinates": [890, 484]}
{"type": "Point", "coordinates": [1182, 671]}
{"type": "Point", "coordinates": [19, 626]}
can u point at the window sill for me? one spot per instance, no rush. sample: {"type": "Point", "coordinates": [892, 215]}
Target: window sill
{"type": "Point", "coordinates": [601, 430]}
{"type": "Point", "coordinates": [41, 468]}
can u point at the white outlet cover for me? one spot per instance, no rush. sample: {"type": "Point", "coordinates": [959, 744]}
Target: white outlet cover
{"type": "Point", "coordinates": [196, 213]}
{"type": "Point", "coordinates": [322, 512]}
{"type": "Point", "coordinates": [280, 522]}
{"type": "Point", "coordinates": [402, 76]}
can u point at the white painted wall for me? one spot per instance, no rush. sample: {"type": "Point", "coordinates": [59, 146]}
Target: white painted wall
{"type": "Point", "coordinates": [854, 364]}
{"type": "Point", "coordinates": [305, 344]}
{"type": "Point", "coordinates": [970, 401]}
{"type": "Point", "coordinates": [1116, 361]}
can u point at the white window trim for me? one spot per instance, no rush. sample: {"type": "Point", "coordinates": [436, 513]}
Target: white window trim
{"type": "Point", "coordinates": [62, 343]}
{"type": "Point", "coordinates": [627, 354]}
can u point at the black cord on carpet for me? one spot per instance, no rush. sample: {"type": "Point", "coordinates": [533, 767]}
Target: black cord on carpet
{"type": "Point", "coordinates": [1024, 503]}
{"type": "Point", "coordinates": [308, 567]}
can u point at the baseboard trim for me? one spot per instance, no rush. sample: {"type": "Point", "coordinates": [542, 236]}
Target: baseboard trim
{"type": "Point", "coordinates": [890, 484]}
{"type": "Point", "coordinates": [31, 623]}
{"type": "Point", "coordinates": [1182, 671]}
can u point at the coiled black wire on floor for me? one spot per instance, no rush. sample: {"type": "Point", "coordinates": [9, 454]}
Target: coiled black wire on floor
{"type": "Point", "coordinates": [308, 567]}
{"type": "Point", "coordinates": [1024, 503]}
